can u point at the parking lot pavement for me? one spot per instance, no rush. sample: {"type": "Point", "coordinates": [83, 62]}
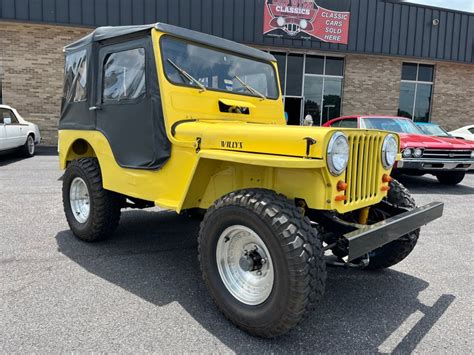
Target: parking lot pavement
{"type": "Point", "coordinates": [142, 290]}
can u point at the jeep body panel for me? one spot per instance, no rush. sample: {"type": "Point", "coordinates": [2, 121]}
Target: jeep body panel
{"type": "Point", "coordinates": [213, 152]}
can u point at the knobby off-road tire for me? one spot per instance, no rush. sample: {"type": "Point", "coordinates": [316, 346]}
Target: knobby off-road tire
{"type": "Point", "coordinates": [104, 206]}
{"type": "Point", "coordinates": [294, 247]}
{"type": "Point", "coordinates": [450, 177]}
{"type": "Point", "coordinates": [394, 252]}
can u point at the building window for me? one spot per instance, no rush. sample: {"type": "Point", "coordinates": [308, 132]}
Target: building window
{"type": "Point", "coordinates": [310, 85]}
{"type": "Point", "coordinates": [416, 89]}
{"type": "Point", "coordinates": [323, 87]}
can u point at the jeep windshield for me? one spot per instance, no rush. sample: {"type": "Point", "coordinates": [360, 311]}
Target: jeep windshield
{"type": "Point", "coordinates": [217, 70]}
{"type": "Point", "coordinates": [398, 125]}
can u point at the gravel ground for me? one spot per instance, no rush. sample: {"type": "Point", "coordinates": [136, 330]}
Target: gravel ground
{"type": "Point", "coordinates": [142, 292]}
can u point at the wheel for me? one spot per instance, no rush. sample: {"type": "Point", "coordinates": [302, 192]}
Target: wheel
{"type": "Point", "coordinates": [92, 212]}
{"type": "Point", "coordinates": [397, 250]}
{"type": "Point", "coordinates": [261, 261]}
{"type": "Point", "coordinates": [28, 148]}
{"type": "Point", "coordinates": [450, 177]}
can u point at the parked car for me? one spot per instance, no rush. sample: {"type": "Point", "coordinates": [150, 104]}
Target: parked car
{"type": "Point", "coordinates": [16, 132]}
{"type": "Point", "coordinates": [446, 158]}
{"type": "Point", "coordinates": [176, 118]}
{"type": "Point", "coordinates": [466, 132]}
{"type": "Point", "coordinates": [433, 129]}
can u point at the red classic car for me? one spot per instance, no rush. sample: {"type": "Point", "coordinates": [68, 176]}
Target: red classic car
{"type": "Point", "coordinates": [447, 158]}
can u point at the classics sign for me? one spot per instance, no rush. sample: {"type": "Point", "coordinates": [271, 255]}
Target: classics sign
{"type": "Point", "coordinates": [304, 19]}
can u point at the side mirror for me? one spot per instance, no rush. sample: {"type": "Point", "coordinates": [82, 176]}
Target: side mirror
{"type": "Point", "coordinates": [7, 120]}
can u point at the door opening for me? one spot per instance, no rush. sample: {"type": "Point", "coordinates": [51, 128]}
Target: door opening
{"type": "Point", "coordinates": [293, 110]}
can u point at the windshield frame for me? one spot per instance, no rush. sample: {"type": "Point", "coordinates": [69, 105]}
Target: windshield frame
{"type": "Point", "coordinates": [417, 130]}
{"type": "Point", "coordinates": [248, 94]}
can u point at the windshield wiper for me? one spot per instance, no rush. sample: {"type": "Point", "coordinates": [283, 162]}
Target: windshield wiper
{"type": "Point", "coordinates": [187, 75]}
{"type": "Point", "coordinates": [249, 88]}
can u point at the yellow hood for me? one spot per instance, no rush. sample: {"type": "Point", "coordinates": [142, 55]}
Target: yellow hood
{"type": "Point", "coordinates": [256, 138]}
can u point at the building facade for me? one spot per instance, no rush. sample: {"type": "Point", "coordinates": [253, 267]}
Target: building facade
{"type": "Point", "coordinates": [335, 58]}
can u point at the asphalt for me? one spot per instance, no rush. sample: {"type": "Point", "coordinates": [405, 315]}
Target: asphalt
{"type": "Point", "coordinates": [142, 291]}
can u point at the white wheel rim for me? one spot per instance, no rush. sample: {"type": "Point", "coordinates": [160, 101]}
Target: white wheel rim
{"type": "Point", "coordinates": [79, 199]}
{"type": "Point", "coordinates": [31, 145]}
{"type": "Point", "coordinates": [245, 265]}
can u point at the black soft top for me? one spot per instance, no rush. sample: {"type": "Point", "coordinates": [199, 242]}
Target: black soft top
{"type": "Point", "coordinates": [107, 32]}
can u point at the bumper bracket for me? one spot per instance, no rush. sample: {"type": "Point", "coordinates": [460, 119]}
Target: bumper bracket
{"type": "Point", "coordinates": [367, 238]}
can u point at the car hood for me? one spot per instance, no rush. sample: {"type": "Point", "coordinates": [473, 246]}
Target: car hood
{"type": "Point", "coordinates": [260, 138]}
{"type": "Point", "coordinates": [422, 141]}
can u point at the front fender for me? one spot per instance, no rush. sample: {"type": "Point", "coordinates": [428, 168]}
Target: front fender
{"type": "Point", "coordinates": [217, 173]}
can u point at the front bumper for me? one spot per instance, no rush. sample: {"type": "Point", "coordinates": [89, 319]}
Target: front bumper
{"type": "Point", "coordinates": [370, 237]}
{"type": "Point", "coordinates": [435, 165]}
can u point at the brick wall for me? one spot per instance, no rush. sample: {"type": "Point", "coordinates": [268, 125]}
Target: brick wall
{"type": "Point", "coordinates": [32, 61]}
{"type": "Point", "coordinates": [453, 99]}
{"type": "Point", "coordinates": [371, 85]}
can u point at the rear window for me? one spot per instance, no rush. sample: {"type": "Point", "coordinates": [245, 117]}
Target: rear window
{"type": "Point", "coordinates": [75, 77]}
{"type": "Point", "coordinates": [348, 123]}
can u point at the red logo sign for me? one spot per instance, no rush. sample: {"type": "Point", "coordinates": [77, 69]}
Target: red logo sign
{"type": "Point", "coordinates": [300, 17]}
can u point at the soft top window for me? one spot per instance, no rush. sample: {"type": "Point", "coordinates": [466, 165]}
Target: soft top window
{"type": "Point", "coordinates": [75, 77]}
{"type": "Point", "coordinates": [217, 70]}
{"type": "Point", "coordinates": [124, 75]}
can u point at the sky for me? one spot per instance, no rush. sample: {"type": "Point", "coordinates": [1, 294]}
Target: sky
{"type": "Point", "coordinates": [463, 5]}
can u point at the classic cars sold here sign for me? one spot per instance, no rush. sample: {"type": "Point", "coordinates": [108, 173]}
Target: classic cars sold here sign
{"type": "Point", "coordinates": [304, 19]}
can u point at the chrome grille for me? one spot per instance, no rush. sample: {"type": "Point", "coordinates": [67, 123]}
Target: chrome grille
{"type": "Point", "coordinates": [447, 154]}
{"type": "Point", "coordinates": [364, 166]}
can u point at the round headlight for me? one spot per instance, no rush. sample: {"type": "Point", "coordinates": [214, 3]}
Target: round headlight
{"type": "Point", "coordinates": [407, 153]}
{"type": "Point", "coordinates": [338, 153]}
{"type": "Point", "coordinates": [389, 151]}
{"type": "Point", "coordinates": [417, 152]}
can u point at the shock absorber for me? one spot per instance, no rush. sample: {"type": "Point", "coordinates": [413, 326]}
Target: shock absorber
{"type": "Point", "coordinates": [364, 215]}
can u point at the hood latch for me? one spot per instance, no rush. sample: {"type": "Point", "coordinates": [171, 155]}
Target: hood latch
{"type": "Point", "coordinates": [309, 142]}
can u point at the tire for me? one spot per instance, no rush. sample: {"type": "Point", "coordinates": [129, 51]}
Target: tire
{"type": "Point", "coordinates": [104, 206]}
{"type": "Point", "coordinates": [294, 257]}
{"type": "Point", "coordinates": [397, 250]}
{"type": "Point", "coordinates": [450, 177]}
{"type": "Point", "coordinates": [28, 148]}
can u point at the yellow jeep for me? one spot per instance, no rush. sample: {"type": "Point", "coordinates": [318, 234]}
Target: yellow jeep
{"type": "Point", "coordinates": [158, 115]}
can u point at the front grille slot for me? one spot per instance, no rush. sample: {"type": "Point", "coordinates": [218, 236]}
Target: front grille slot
{"type": "Point", "coordinates": [447, 154]}
{"type": "Point", "coordinates": [363, 167]}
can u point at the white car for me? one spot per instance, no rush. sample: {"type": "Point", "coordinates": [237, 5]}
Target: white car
{"type": "Point", "coordinates": [15, 132]}
{"type": "Point", "coordinates": [466, 132]}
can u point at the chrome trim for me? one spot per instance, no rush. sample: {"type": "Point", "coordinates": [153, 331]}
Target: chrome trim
{"type": "Point", "coordinates": [385, 162]}
{"type": "Point", "coordinates": [329, 153]}
{"type": "Point", "coordinates": [434, 161]}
